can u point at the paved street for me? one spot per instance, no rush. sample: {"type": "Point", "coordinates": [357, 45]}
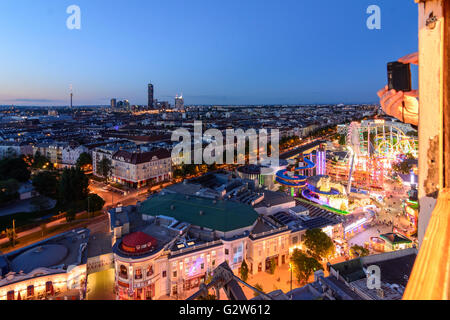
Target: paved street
{"type": "Point", "coordinates": [365, 236]}
{"type": "Point", "coordinates": [100, 285]}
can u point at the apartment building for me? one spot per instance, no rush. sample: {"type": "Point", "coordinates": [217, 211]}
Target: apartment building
{"type": "Point", "coordinates": [140, 169]}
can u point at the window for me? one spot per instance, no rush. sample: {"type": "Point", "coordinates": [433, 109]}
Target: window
{"type": "Point", "coordinates": [48, 286]}
{"type": "Point", "coordinates": [294, 240]}
{"type": "Point", "coordinates": [123, 272]}
{"type": "Point", "coordinates": [174, 274]}
{"type": "Point", "coordinates": [10, 295]}
{"type": "Point", "coordinates": [149, 271]}
{"type": "Point", "coordinates": [30, 291]}
{"type": "Point", "coordinates": [164, 274]}
{"type": "Point", "coordinates": [138, 274]}
{"type": "Point", "coordinates": [214, 262]}
{"type": "Point", "coordinates": [202, 266]}
{"type": "Point", "coordinates": [226, 251]}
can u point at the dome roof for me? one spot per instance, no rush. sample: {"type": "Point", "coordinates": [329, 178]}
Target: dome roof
{"type": "Point", "coordinates": [40, 256]}
{"type": "Point", "coordinates": [138, 242]}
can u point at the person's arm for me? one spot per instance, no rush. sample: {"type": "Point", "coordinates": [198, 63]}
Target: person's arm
{"type": "Point", "coordinates": [402, 105]}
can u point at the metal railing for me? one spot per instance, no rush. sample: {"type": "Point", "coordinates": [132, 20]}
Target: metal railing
{"type": "Point", "coordinates": [196, 247]}
{"type": "Point", "coordinates": [266, 233]}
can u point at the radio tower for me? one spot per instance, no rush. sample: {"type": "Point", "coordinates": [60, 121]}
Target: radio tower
{"type": "Point", "coordinates": [71, 96]}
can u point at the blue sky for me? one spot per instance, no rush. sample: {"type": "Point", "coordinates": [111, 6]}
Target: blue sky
{"type": "Point", "coordinates": [214, 52]}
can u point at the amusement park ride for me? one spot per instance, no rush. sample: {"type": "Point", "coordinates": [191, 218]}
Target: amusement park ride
{"type": "Point", "coordinates": [310, 180]}
{"type": "Point", "coordinates": [372, 148]}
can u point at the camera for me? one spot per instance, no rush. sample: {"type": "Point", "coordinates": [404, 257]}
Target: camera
{"type": "Point", "coordinates": [399, 76]}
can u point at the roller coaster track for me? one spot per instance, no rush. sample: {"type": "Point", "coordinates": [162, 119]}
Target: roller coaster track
{"type": "Point", "coordinates": [295, 181]}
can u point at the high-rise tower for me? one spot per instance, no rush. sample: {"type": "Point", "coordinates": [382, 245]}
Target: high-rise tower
{"type": "Point", "coordinates": [71, 96]}
{"type": "Point", "coordinates": [179, 103]}
{"type": "Point", "coordinates": [150, 96]}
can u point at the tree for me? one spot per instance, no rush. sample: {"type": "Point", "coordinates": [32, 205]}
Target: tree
{"type": "Point", "coordinates": [402, 167]}
{"type": "Point", "coordinates": [46, 183]}
{"type": "Point", "coordinates": [11, 235]}
{"type": "Point", "coordinates": [84, 160]}
{"type": "Point", "coordinates": [259, 287]}
{"type": "Point", "coordinates": [304, 266]}
{"type": "Point", "coordinates": [14, 168]}
{"type": "Point", "coordinates": [40, 161]}
{"type": "Point", "coordinates": [359, 251]}
{"type": "Point", "coordinates": [208, 278]}
{"type": "Point", "coordinates": [104, 167]}
{"type": "Point", "coordinates": [73, 186]}
{"type": "Point", "coordinates": [244, 271]}
{"type": "Point", "coordinates": [342, 139]}
{"type": "Point", "coordinates": [319, 243]}
{"type": "Point", "coordinates": [178, 173]}
{"type": "Point", "coordinates": [94, 203]}
{"type": "Point", "coordinates": [8, 190]}
{"type": "Point", "coordinates": [190, 169]}
{"type": "Point", "coordinates": [272, 266]}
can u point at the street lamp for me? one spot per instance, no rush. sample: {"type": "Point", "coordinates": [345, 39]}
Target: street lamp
{"type": "Point", "coordinates": [290, 269]}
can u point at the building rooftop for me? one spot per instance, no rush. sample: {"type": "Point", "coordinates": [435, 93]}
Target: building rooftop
{"type": "Point", "coordinates": [52, 255]}
{"type": "Point", "coordinates": [219, 215]}
{"type": "Point", "coordinates": [141, 157]}
{"type": "Point", "coordinates": [395, 266]}
{"type": "Point", "coordinates": [158, 235]}
{"type": "Point", "coordinates": [272, 198]}
{"type": "Point", "coordinates": [99, 244]}
{"type": "Point", "coordinates": [350, 270]}
{"type": "Point", "coordinates": [395, 238]}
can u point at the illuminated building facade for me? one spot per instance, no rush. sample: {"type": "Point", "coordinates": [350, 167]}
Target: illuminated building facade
{"type": "Point", "coordinates": [45, 270]}
{"type": "Point", "coordinates": [321, 160]}
{"type": "Point", "coordinates": [181, 240]}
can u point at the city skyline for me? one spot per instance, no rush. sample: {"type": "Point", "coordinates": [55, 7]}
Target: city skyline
{"type": "Point", "coordinates": [263, 54]}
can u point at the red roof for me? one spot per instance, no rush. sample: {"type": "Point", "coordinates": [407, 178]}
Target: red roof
{"type": "Point", "coordinates": [138, 242]}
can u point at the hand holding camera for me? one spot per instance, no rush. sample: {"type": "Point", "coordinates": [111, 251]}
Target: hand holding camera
{"type": "Point", "coordinates": [397, 99]}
